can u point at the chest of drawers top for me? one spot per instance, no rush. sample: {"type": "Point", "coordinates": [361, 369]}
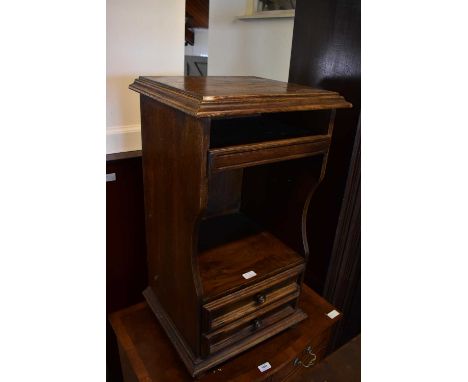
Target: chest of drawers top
{"type": "Point", "coordinates": [230, 96]}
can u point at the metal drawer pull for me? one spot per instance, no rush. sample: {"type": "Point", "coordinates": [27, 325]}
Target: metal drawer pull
{"type": "Point", "coordinates": [260, 299]}
{"type": "Point", "coordinates": [257, 323]}
{"type": "Point", "coordinates": [312, 360]}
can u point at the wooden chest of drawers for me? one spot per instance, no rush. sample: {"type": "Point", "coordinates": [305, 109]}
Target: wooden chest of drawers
{"type": "Point", "coordinates": [229, 167]}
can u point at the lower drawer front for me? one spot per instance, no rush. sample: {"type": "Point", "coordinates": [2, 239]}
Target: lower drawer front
{"type": "Point", "coordinates": [237, 331]}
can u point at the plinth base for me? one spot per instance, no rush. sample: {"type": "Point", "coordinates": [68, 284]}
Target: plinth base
{"type": "Point", "coordinates": [197, 366]}
{"type": "Point", "coordinates": [147, 354]}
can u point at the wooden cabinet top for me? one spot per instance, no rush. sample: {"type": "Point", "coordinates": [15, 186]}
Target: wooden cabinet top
{"type": "Point", "coordinates": [225, 96]}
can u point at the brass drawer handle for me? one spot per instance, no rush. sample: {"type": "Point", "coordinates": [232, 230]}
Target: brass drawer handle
{"type": "Point", "coordinates": [257, 324]}
{"type": "Point", "coordinates": [310, 363]}
{"type": "Point", "coordinates": [260, 299]}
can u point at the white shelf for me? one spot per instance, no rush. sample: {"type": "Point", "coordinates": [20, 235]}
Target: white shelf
{"type": "Point", "coordinates": [269, 15]}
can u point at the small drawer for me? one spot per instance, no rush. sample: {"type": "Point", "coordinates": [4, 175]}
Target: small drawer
{"type": "Point", "coordinates": [241, 329]}
{"type": "Point", "coordinates": [253, 301]}
{"type": "Point", "coordinates": [240, 156]}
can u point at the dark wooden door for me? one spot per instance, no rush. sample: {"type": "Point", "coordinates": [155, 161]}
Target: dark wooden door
{"type": "Point", "coordinates": [343, 285]}
{"type": "Point", "coordinates": [126, 274]}
{"type": "Point", "coordinates": [326, 53]}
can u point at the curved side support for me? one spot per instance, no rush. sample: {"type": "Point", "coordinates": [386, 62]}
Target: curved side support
{"type": "Point", "coordinates": [277, 196]}
{"type": "Point", "coordinates": [305, 241]}
{"type": "Point", "coordinates": [305, 212]}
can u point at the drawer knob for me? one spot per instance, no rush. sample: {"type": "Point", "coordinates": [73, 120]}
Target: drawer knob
{"type": "Point", "coordinates": [257, 324]}
{"type": "Point", "coordinates": [260, 299]}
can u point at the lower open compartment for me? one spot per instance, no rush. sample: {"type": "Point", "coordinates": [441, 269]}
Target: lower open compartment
{"type": "Point", "coordinates": [252, 251]}
{"type": "Point", "coordinates": [253, 227]}
{"type": "Point", "coordinates": [236, 252]}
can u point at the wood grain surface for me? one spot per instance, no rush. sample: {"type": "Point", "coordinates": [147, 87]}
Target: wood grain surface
{"type": "Point", "coordinates": [344, 365]}
{"type": "Point", "coordinates": [208, 227]}
{"type": "Point", "coordinates": [148, 355]}
{"type": "Point", "coordinates": [174, 175]}
{"type": "Point", "coordinates": [245, 247]}
{"type": "Point", "coordinates": [227, 96]}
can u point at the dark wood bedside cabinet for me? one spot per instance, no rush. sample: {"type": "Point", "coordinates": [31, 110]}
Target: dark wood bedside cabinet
{"type": "Point", "coordinates": [229, 167]}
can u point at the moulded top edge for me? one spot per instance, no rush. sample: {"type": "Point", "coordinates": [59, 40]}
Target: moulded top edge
{"type": "Point", "coordinates": [217, 96]}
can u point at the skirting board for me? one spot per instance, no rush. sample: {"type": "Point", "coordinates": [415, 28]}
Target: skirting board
{"type": "Point", "coordinates": [123, 138]}
{"type": "Point", "coordinates": [197, 366]}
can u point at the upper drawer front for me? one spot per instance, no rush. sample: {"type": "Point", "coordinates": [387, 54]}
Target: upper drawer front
{"type": "Point", "coordinates": [227, 158]}
{"type": "Point", "coordinates": [254, 300]}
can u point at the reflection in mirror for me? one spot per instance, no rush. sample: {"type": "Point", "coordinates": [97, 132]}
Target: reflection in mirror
{"type": "Point", "coordinates": [196, 37]}
{"type": "Point", "coordinates": [275, 5]}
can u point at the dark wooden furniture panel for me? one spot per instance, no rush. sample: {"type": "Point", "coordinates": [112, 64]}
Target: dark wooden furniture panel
{"type": "Point", "coordinates": [235, 96]}
{"type": "Point", "coordinates": [240, 329]}
{"type": "Point", "coordinates": [226, 193]}
{"type": "Point", "coordinates": [174, 148]}
{"type": "Point", "coordinates": [266, 152]}
{"type": "Point", "coordinates": [126, 271]}
{"type": "Point", "coordinates": [196, 16]}
{"type": "Point", "coordinates": [343, 284]}
{"type": "Point", "coordinates": [148, 355]}
{"type": "Point", "coordinates": [267, 127]}
{"type": "Point", "coordinates": [344, 365]}
{"type": "Point", "coordinates": [125, 234]}
{"type": "Point", "coordinates": [197, 12]}
{"type": "Point", "coordinates": [326, 53]}
{"type": "Point", "coordinates": [260, 297]}
{"type": "Point", "coordinates": [226, 264]}
{"type": "Point", "coordinates": [233, 245]}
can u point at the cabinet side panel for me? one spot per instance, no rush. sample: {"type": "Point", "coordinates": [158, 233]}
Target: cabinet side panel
{"type": "Point", "coordinates": [175, 185]}
{"type": "Point", "coordinates": [224, 193]}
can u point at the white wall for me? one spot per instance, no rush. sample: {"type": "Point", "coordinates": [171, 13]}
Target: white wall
{"type": "Point", "coordinates": [254, 47]}
{"type": "Point", "coordinates": [144, 37]}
